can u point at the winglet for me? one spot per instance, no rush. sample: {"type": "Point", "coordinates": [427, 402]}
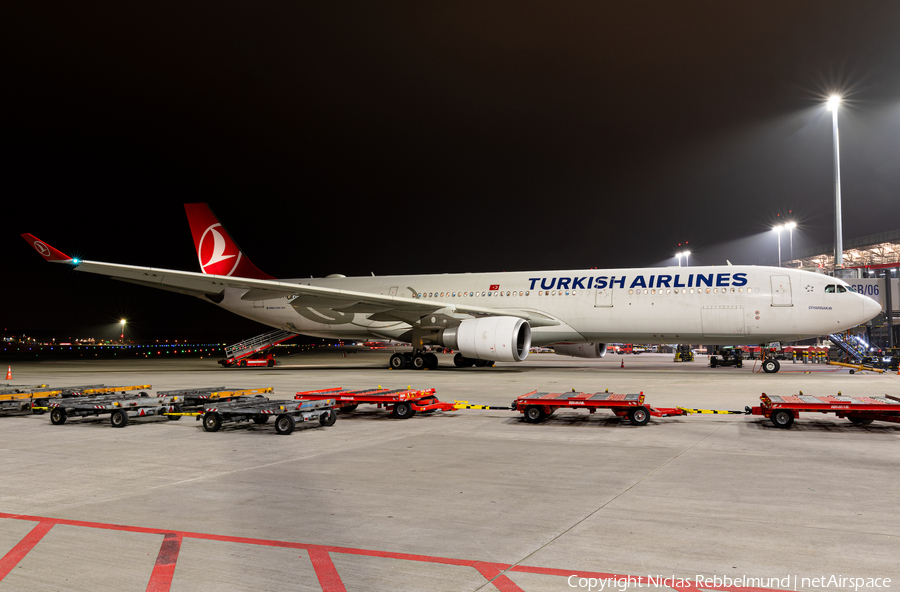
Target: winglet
{"type": "Point", "coordinates": [46, 251]}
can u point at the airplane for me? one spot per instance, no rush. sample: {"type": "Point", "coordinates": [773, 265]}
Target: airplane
{"type": "Point", "coordinates": [490, 317]}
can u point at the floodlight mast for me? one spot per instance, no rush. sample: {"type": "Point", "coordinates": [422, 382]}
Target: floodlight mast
{"type": "Point", "coordinates": [791, 226]}
{"type": "Point", "coordinates": [778, 230]}
{"type": "Point", "coordinates": [833, 102]}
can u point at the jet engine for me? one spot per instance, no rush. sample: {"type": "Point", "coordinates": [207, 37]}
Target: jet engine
{"type": "Point", "coordinates": [501, 339]}
{"type": "Point", "coordinates": [581, 350]}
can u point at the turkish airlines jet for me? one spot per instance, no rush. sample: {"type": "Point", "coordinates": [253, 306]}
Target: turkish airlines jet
{"type": "Point", "coordinates": [491, 317]}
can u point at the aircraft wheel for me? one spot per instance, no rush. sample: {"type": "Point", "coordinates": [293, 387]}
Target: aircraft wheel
{"type": "Point", "coordinates": [328, 418]}
{"type": "Point", "coordinates": [782, 418]}
{"type": "Point", "coordinates": [534, 414]}
{"type": "Point", "coordinates": [419, 362]}
{"type": "Point", "coordinates": [212, 422]}
{"type": "Point", "coordinates": [119, 418]}
{"type": "Point", "coordinates": [431, 360]}
{"type": "Point", "coordinates": [460, 361]}
{"type": "Point", "coordinates": [398, 362]}
{"type": "Point", "coordinates": [284, 424]}
{"type": "Point", "coordinates": [58, 416]}
{"type": "Point", "coordinates": [639, 416]}
{"type": "Point", "coordinates": [771, 366]}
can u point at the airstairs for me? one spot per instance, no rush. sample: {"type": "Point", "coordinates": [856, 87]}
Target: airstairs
{"type": "Point", "coordinates": [855, 348]}
{"type": "Point", "coordinates": [256, 344]}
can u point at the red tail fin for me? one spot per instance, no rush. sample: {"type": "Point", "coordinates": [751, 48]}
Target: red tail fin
{"type": "Point", "coordinates": [216, 250]}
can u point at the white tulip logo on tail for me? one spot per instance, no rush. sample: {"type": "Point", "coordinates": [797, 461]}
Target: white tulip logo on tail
{"type": "Point", "coordinates": [216, 253]}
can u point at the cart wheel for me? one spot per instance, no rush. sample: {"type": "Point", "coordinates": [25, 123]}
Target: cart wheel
{"type": "Point", "coordinates": [260, 419]}
{"type": "Point", "coordinates": [349, 408]}
{"type": "Point", "coordinates": [860, 420]}
{"type": "Point", "coordinates": [284, 424]}
{"type": "Point", "coordinates": [119, 418]}
{"type": "Point", "coordinates": [402, 410]}
{"type": "Point", "coordinates": [782, 418]}
{"type": "Point", "coordinates": [534, 414]}
{"type": "Point", "coordinates": [177, 409]}
{"type": "Point", "coordinates": [398, 362]}
{"type": "Point", "coordinates": [270, 363]}
{"type": "Point", "coordinates": [639, 416]}
{"type": "Point", "coordinates": [39, 403]}
{"type": "Point", "coordinates": [58, 416]}
{"type": "Point", "coordinates": [328, 418]}
{"type": "Point", "coordinates": [853, 372]}
{"type": "Point", "coordinates": [212, 422]}
{"type": "Point", "coordinates": [770, 366]}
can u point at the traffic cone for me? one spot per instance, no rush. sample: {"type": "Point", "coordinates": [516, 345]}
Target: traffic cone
{"type": "Point", "coordinates": [623, 363]}
{"type": "Point", "coordinates": [9, 373]}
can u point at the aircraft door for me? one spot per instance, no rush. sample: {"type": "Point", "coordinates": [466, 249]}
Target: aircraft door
{"type": "Point", "coordinates": [781, 290]}
{"type": "Point", "coordinates": [603, 298]}
{"type": "Point", "coordinates": [393, 291]}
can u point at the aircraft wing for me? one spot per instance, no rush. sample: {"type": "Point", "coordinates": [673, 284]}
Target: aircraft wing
{"type": "Point", "coordinates": [378, 306]}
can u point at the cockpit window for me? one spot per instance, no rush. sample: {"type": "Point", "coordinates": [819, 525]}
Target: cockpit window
{"type": "Point", "coordinates": [841, 289]}
{"type": "Point", "coordinates": [851, 289]}
{"type": "Point", "coordinates": [829, 289]}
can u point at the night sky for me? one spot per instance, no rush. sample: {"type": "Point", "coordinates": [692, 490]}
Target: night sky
{"type": "Point", "coordinates": [425, 137]}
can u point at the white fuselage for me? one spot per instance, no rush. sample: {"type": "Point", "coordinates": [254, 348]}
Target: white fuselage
{"type": "Point", "coordinates": [712, 305]}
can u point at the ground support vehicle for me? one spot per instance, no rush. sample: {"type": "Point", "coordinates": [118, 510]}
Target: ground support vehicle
{"type": "Point", "coordinates": [783, 410]}
{"type": "Point", "coordinates": [36, 399]}
{"type": "Point", "coordinates": [120, 407]}
{"type": "Point", "coordinates": [684, 353]}
{"type": "Point", "coordinates": [402, 403]}
{"type": "Point", "coordinates": [536, 407]}
{"type": "Point", "coordinates": [198, 397]}
{"type": "Point", "coordinates": [727, 357]}
{"type": "Point", "coordinates": [287, 413]}
{"type": "Point", "coordinates": [861, 367]}
{"type": "Point", "coordinates": [252, 352]}
{"type": "Point", "coordinates": [17, 397]}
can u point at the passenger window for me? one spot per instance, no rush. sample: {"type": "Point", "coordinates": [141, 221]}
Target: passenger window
{"type": "Point", "coordinates": [841, 289]}
{"type": "Point", "coordinates": [829, 289]}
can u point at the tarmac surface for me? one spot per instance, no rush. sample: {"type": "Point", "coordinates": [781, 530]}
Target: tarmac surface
{"type": "Point", "coordinates": [463, 501]}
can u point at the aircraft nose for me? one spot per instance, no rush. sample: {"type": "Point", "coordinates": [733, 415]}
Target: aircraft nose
{"type": "Point", "coordinates": [871, 308]}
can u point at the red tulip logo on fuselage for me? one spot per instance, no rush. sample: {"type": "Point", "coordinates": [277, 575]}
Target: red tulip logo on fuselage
{"type": "Point", "coordinates": [218, 255]}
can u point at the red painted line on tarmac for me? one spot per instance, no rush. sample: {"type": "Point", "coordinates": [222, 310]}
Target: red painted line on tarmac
{"type": "Point", "coordinates": [17, 553]}
{"type": "Point", "coordinates": [320, 555]}
{"type": "Point", "coordinates": [161, 578]}
{"type": "Point", "coordinates": [492, 573]}
{"type": "Point", "coordinates": [325, 570]}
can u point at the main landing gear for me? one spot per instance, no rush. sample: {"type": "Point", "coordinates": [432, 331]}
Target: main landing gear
{"type": "Point", "coordinates": [415, 360]}
{"type": "Point", "coordinates": [419, 360]}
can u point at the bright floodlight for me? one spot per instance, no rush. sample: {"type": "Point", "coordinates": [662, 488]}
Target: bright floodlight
{"type": "Point", "coordinates": [790, 225]}
{"type": "Point", "coordinates": [122, 321]}
{"type": "Point", "coordinates": [778, 228]}
{"type": "Point", "coordinates": [833, 102]}
{"type": "Point", "coordinates": [686, 253]}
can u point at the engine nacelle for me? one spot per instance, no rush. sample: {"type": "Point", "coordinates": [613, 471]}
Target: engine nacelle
{"type": "Point", "coordinates": [581, 350]}
{"type": "Point", "coordinates": [499, 339]}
